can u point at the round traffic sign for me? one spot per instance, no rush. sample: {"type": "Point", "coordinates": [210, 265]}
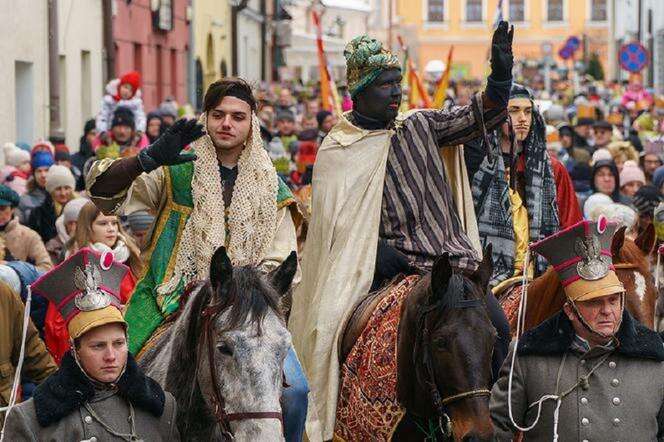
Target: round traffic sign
{"type": "Point", "coordinates": [633, 56]}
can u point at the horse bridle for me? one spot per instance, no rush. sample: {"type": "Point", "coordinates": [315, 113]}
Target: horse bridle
{"type": "Point", "coordinates": [224, 419]}
{"type": "Point", "coordinates": [439, 402]}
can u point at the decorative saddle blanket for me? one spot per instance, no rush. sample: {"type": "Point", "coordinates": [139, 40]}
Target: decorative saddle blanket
{"type": "Point", "coordinates": [368, 408]}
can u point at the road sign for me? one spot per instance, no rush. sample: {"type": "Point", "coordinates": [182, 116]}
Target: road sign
{"type": "Point", "coordinates": [569, 48]}
{"type": "Point", "coordinates": [633, 56]}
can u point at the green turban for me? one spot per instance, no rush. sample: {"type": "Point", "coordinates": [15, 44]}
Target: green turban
{"type": "Point", "coordinates": [366, 59]}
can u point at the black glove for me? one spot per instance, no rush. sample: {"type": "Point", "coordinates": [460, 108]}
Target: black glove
{"type": "Point", "coordinates": [502, 58]}
{"type": "Point", "coordinates": [166, 151]}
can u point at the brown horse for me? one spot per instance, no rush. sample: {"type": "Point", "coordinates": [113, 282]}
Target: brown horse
{"type": "Point", "coordinates": [444, 345]}
{"type": "Point", "coordinates": [546, 296]}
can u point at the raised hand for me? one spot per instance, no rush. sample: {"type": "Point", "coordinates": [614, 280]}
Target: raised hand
{"type": "Point", "coordinates": [502, 58]}
{"type": "Point", "coordinates": [167, 150]}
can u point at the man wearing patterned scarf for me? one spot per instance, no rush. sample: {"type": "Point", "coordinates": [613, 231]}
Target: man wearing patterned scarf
{"type": "Point", "coordinates": [386, 199]}
{"type": "Point", "coordinates": [222, 190]}
{"type": "Point", "coordinates": [520, 186]}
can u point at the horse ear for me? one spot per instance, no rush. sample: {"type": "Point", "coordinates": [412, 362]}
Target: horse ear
{"type": "Point", "coordinates": [617, 242]}
{"type": "Point", "coordinates": [440, 277]}
{"type": "Point", "coordinates": [485, 270]}
{"type": "Point", "coordinates": [282, 277]}
{"type": "Point", "coordinates": [221, 270]}
{"type": "Point", "coordinates": [646, 240]}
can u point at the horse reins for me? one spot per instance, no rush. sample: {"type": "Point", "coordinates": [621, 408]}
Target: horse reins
{"type": "Point", "coordinates": [440, 403]}
{"type": "Point", "coordinates": [224, 419]}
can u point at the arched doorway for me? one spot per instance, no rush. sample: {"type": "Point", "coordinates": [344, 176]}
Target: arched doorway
{"type": "Point", "coordinates": [199, 85]}
{"type": "Point", "coordinates": [210, 74]}
{"type": "Point", "coordinates": [223, 69]}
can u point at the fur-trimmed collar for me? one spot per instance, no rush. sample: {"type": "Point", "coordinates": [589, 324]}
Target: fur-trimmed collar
{"type": "Point", "coordinates": [554, 336]}
{"type": "Point", "coordinates": [69, 388]}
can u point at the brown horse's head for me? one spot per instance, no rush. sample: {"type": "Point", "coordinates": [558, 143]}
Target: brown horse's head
{"type": "Point", "coordinates": [630, 258]}
{"type": "Point", "coordinates": [444, 349]}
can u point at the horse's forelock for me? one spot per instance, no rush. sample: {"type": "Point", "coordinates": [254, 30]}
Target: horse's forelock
{"type": "Point", "coordinates": [250, 299]}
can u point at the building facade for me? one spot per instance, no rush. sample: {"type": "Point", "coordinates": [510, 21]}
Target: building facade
{"type": "Point", "coordinates": [212, 43]}
{"type": "Point", "coordinates": [24, 72]}
{"type": "Point", "coordinates": [342, 20]}
{"type": "Point", "coordinates": [80, 65]}
{"type": "Point", "coordinates": [152, 37]}
{"type": "Point", "coordinates": [431, 26]}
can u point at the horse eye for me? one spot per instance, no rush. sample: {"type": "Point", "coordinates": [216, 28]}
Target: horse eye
{"type": "Point", "coordinates": [225, 350]}
{"type": "Point", "coordinates": [440, 342]}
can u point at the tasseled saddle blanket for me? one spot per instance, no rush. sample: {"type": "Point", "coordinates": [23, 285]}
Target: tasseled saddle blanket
{"type": "Point", "coordinates": [368, 408]}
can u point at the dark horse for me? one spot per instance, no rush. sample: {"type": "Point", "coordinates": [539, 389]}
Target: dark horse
{"type": "Point", "coordinates": [444, 347]}
{"type": "Point", "coordinates": [222, 356]}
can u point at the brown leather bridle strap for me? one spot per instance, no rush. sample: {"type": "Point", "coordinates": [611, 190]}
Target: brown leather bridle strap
{"type": "Point", "coordinates": [224, 419]}
{"type": "Point", "coordinates": [625, 266]}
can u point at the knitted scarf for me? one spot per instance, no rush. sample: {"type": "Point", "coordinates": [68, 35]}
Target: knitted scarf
{"type": "Point", "coordinates": [251, 216]}
{"type": "Point", "coordinates": [490, 191]}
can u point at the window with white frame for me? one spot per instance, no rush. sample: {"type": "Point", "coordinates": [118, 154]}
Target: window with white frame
{"type": "Point", "coordinates": [517, 10]}
{"type": "Point", "coordinates": [598, 10]}
{"type": "Point", "coordinates": [554, 10]}
{"type": "Point", "coordinates": [474, 11]}
{"type": "Point", "coordinates": [436, 10]}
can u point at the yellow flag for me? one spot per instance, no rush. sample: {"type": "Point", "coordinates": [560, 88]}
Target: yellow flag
{"type": "Point", "coordinates": [443, 83]}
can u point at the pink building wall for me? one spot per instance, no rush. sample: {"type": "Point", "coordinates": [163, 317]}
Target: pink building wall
{"type": "Point", "coordinates": [160, 56]}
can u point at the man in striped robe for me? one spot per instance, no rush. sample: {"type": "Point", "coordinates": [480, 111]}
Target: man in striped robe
{"type": "Point", "coordinates": [382, 182]}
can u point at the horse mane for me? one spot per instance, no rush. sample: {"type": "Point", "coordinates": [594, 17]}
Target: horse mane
{"type": "Point", "coordinates": [631, 253]}
{"type": "Point", "coordinates": [250, 298]}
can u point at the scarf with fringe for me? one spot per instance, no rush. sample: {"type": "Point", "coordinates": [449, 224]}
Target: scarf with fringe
{"type": "Point", "coordinates": [247, 229]}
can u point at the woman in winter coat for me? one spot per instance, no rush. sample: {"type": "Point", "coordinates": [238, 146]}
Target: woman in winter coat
{"type": "Point", "coordinates": [606, 180]}
{"type": "Point", "coordinates": [41, 159]}
{"type": "Point", "coordinates": [101, 233]}
{"type": "Point", "coordinates": [60, 185]}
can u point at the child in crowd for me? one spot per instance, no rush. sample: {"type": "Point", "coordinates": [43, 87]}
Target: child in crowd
{"type": "Point", "coordinates": [122, 92]}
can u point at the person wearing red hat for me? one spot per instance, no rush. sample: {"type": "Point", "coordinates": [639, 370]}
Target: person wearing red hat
{"type": "Point", "coordinates": [122, 92]}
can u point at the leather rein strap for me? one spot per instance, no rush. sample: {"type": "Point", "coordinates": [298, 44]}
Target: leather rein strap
{"type": "Point", "coordinates": [440, 402]}
{"type": "Point", "coordinates": [224, 419]}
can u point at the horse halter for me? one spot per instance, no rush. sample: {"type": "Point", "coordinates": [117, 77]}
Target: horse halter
{"type": "Point", "coordinates": [440, 403]}
{"type": "Point", "coordinates": [224, 419]}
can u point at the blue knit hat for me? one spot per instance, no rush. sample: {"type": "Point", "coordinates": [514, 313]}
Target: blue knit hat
{"type": "Point", "coordinates": [42, 158]}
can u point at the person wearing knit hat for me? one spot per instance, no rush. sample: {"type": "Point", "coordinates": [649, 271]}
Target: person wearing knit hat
{"type": "Point", "coordinates": [600, 358]}
{"type": "Point", "coordinates": [652, 157]}
{"type": "Point", "coordinates": [123, 139]}
{"type": "Point", "coordinates": [631, 178]}
{"type": "Point", "coordinates": [98, 392]}
{"type": "Point", "coordinates": [601, 154]}
{"type": "Point", "coordinates": [60, 184]}
{"type": "Point", "coordinates": [168, 110]}
{"type": "Point", "coordinates": [646, 199]}
{"type": "Point", "coordinates": [122, 92]}
{"type": "Point", "coordinates": [16, 173]}
{"type": "Point", "coordinates": [41, 160]}
{"type": "Point", "coordinates": [140, 223]}
{"type": "Point", "coordinates": [65, 226]}
{"type": "Point", "coordinates": [20, 242]}
{"type": "Point", "coordinates": [658, 178]}
{"type": "Point", "coordinates": [593, 201]}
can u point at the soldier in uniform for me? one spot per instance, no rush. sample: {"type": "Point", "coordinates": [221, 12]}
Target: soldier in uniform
{"type": "Point", "coordinates": [590, 372]}
{"type": "Point", "coordinates": [98, 393]}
